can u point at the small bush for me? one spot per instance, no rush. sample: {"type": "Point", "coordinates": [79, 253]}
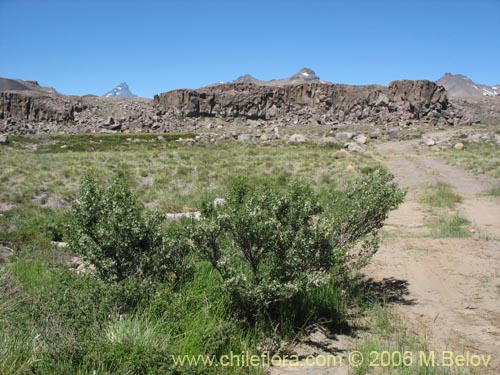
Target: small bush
{"type": "Point", "coordinates": [273, 243]}
{"type": "Point", "coordinates": [110, 230]}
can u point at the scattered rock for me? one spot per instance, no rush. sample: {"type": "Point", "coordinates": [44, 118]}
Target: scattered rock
{"type": "Point", "coordinates": [59, 244]}
{"type": "Point", "coordinates": [4, 138]}
{"type": "Point", "coordinates": [361, 139]}
{"type": "Point", "coordinates": [245, 138]}
{"type": "Point", "coordinates": [219, 201]}
{"type": "Point", "coordinates": [5, 253]}
{"type": "Point", "coordinates": [110, 121]}
{"type": "Point", "coordinates": [160, 138]}
{"type": "Point", "coordinates": [458, 146]}
{"type": "Point", "coordinates": [352, 147]}
{"type": "Point", "coordinates": [429, 142]}
{"type": "Point", "coordinates": [180, 215]}
{"type": "Point", "coordinates": [394, 134]}
{"type": "Point", "coordinates": [78, 265]}
{"type": "Point", "coordinates": [344, 136]}
{"type": "Point", "coordinates": [297, 138]}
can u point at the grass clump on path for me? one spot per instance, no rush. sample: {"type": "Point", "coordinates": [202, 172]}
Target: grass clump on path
{"type": "Point", "coordinates": [441, 195]}
{"type": "Point", "coordinates": [452, 226]}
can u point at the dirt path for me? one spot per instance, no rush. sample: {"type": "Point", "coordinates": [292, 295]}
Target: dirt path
{"type": "Point", "coordinates": [455, 283]}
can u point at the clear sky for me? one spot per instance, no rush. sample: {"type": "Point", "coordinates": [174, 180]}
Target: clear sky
{"type": "Point", "coordinates": [81, 47]}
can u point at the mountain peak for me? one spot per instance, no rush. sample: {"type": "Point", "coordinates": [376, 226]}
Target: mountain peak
{"type": "Point", "coordinates": [120, 91]}
{"type": "Point", "coordinates": [460, 85]}
{"type": "Point", "coordinates": [247, 78]}
{"type": "Point", "coordinates": [305, 74]}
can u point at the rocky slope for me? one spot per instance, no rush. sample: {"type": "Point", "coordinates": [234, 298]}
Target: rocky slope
{"type": "Point", "coordinates": [460, 85]}
{"type": "Point", "coordinates": [401, 101]}
{"type": "Point", "coordinates": [27, 108]}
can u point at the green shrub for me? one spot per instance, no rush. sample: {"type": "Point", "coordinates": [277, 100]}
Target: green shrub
{"type": "Point", "coordinates": [273, 243]}
{"type": "Point", "coordinates": [109, 229]}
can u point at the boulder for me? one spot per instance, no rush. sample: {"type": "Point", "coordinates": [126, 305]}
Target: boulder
{"type": "Point", "coordinates": [344, 136]}
{"type": "Point", "coordinates": [181, 215]}
{"type": "Point", "coordinates": [361, 139]}
{"type": "Point", "coordinates": [352, 146]}
{"type": "Point", "coordinates": [429, 142]}
{"type": "Point", "coordinates": [245, 138]}
{"type": "Point", "coordinates": [394, 134]}
{"type": "Point", "coordinates": [297, 138]}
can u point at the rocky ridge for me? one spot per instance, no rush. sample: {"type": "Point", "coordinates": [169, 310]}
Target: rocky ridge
{"type": "Point", "coordinates": [401, 101]}
{"type": "Point", "coordinates": [27, 108]}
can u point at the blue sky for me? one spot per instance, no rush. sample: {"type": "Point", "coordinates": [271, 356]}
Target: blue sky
{"type": "Point", "coordinates": [81, 47]}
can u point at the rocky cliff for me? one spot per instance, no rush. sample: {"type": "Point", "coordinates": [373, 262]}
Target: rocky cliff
{"type": "Point", "coordinates": [413, 101]}
{"type": "Point", "coordinates": [26, 111]}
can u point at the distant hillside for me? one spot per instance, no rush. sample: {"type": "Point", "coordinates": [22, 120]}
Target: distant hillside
{"type": "Point", "coordinates": [120, 91]}
{"type": "Point", "coordinates": [460, 85]}
{"type": "Point", "coordinates": [304, 75]}
{"type": "Point", "coordinates": [7, 84]}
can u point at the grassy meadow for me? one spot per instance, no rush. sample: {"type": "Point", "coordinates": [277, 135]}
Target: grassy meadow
{"type": "Point", "coordinates": [56, 321]}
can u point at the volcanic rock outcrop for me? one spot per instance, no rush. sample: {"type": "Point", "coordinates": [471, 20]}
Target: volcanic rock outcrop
{"type": "Point", "coordinates": [27, 111]}
{"type": "Point", "coordinates": [410, 101]}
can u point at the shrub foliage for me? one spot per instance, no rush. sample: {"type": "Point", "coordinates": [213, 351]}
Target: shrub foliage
{"type": "Point", "coordinates": [110, 230]}
{"type": "Point", "coordinates": [271, 243]}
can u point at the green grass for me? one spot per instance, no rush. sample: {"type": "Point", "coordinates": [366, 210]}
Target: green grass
{"type": "Point", "coordinates": [390, 336]}
{"type": "Point", "coordinates": [168, 175]}
{"type": "Point", "coordinates": [480, 158]}
{"type": "Point", "coordinates": [53, 321]}
{"type": "Point", "coordinates": [441, 195]}
{"type": "Point", "coordinates": [451, 226]}
{"type": "Point", "coordinates": [494, 192]}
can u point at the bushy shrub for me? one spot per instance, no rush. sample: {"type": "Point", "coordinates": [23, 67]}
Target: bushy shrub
{"type": "Point", "coordinates": [271, 243]}
{"type": "Point", "coordinates": [110, 230]}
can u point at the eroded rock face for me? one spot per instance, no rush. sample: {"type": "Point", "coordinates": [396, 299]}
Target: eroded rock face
{"type": "Point", "coordinates": [29, 111]}
{"type": "Point", "coordinates": [402, 100]}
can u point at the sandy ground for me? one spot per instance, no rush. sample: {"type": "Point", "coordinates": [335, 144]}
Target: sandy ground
{"type": "Point", "coordinates": [453, 285]}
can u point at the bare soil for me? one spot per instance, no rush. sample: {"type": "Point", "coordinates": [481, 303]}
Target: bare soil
{"type": "Point", "coordinates": [452, 285]}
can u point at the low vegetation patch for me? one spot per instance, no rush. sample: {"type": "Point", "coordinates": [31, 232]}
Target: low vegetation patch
{"type": "Point", "coordinates": [441, 195]}
{"type": "Point", "coordinates": [480, 158]}
{"type": "Point", "coordinates": [393, 349]}
{"type": "Point", "coordinates": [494, 192]}
{"type": "Point", "coordinates": [452, 226]}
